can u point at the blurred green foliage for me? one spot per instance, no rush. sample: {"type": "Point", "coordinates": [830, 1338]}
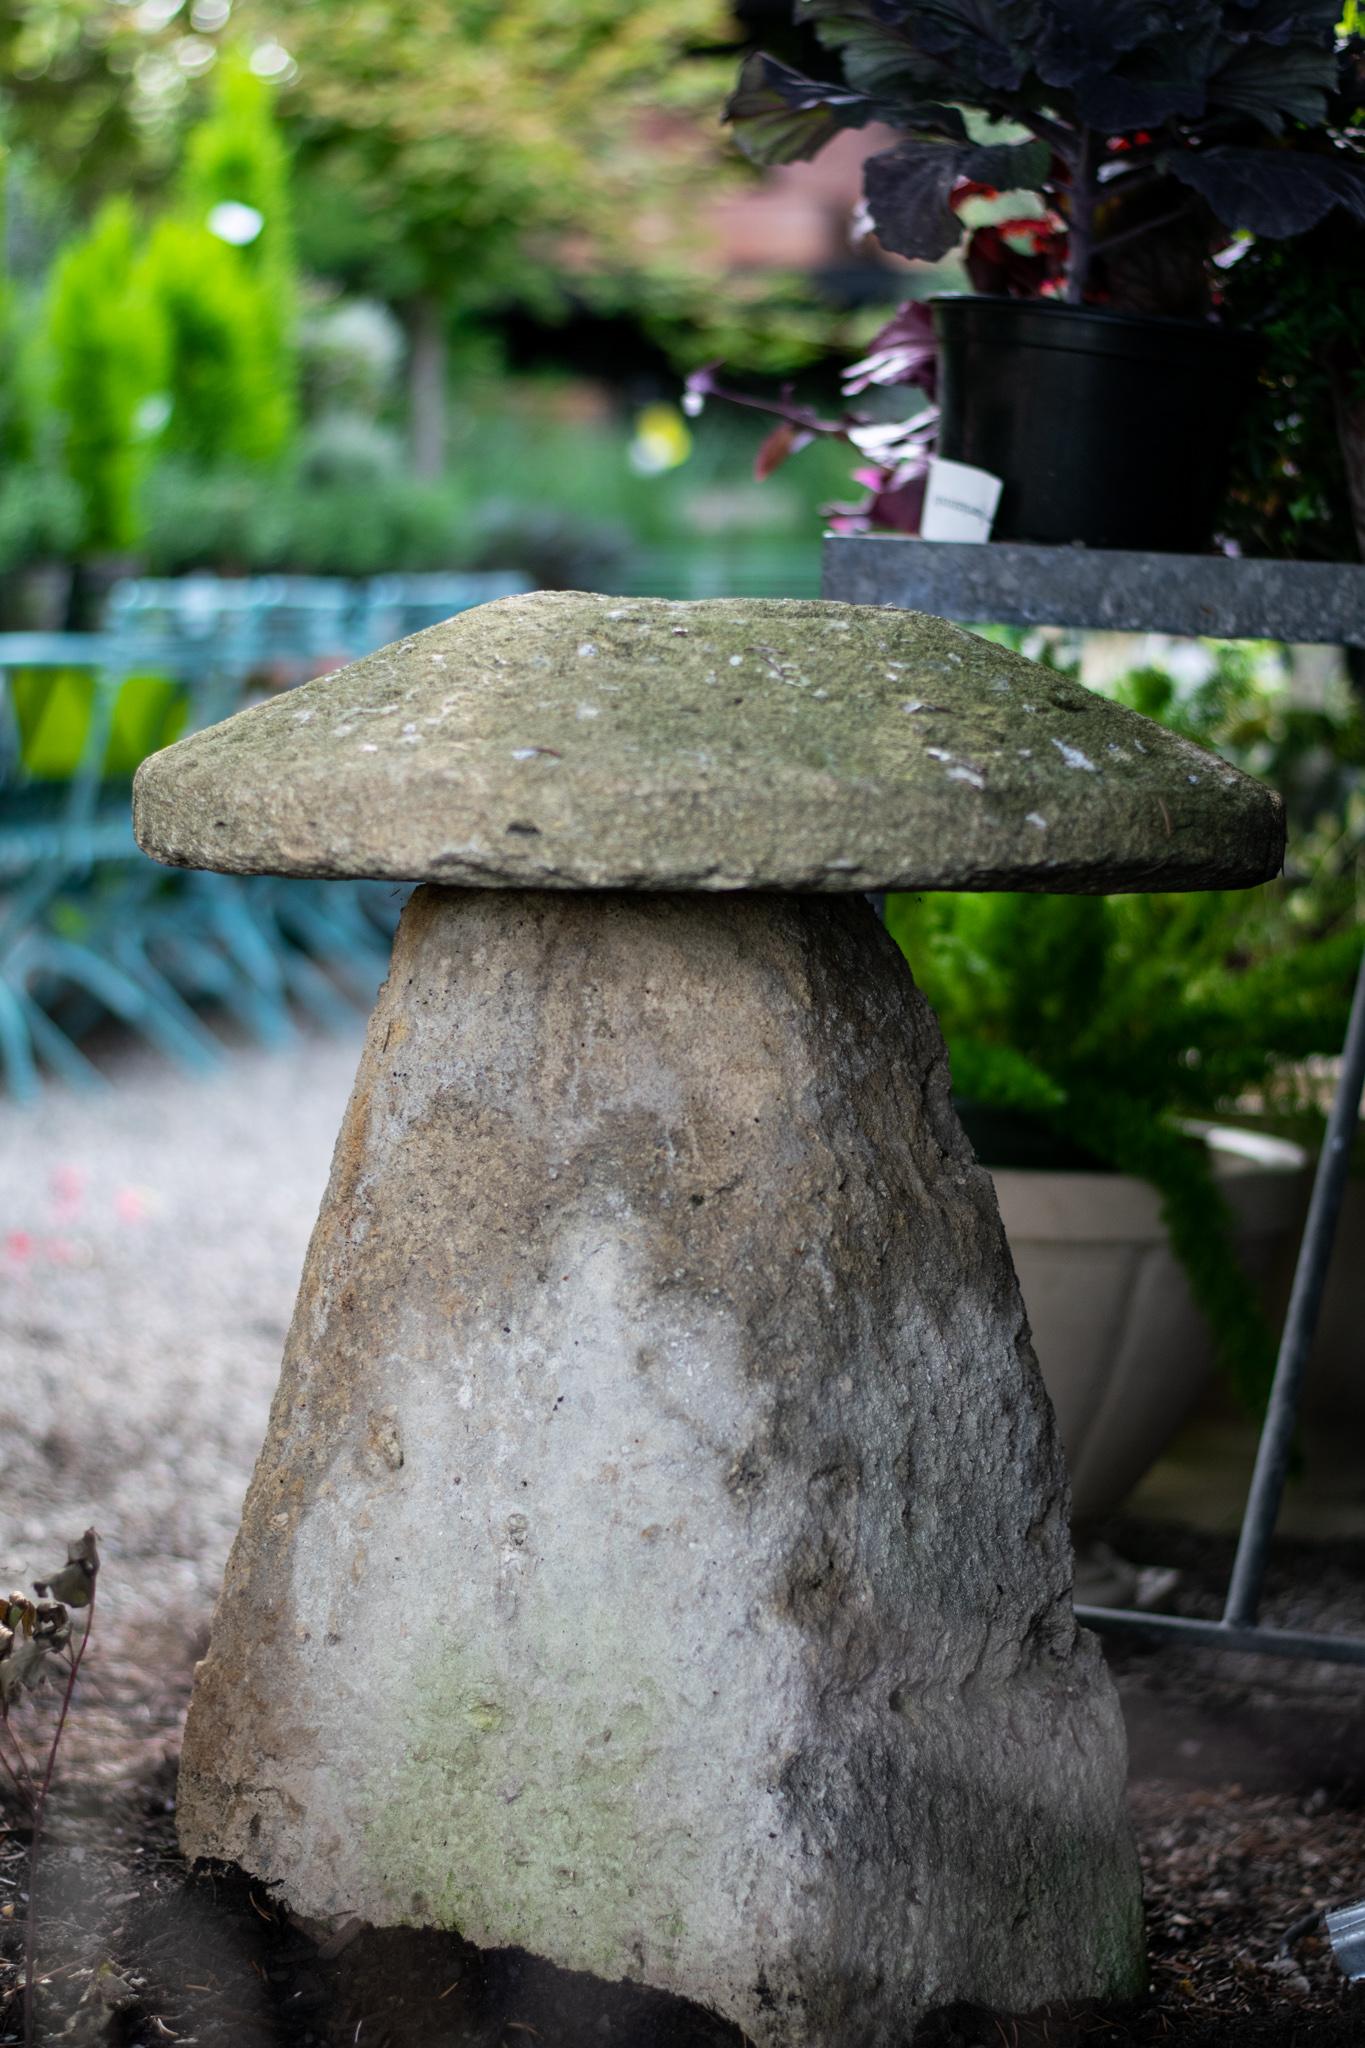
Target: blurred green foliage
{"type": "Point", "coordinates": [237, 155]}
{"type": "Point", "coordinates": [235, 158]}
{"type": "Point", "coordinates": [225, 397]}
{"type": "Point", "coordinates": [40, 517]}
{"type": "Point", "coordinates": [446, 152]}
{"type": "Point", "coordinates": [1289, 494]}
{"type": "Point", "coordinates": [78, 77]}
{"type": "Point", "coordinates": [557, 498]}
{"type": "Point", "coordinates": [104, 346]}
{"type": "Point", "coordinates": [187, 378]}
{"type": "Point", "coordinates": [1109, 1021]}
{"type": "Point", "coordinates": [148, 341]}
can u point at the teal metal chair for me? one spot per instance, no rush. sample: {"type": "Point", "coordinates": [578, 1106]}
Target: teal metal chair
{"type": "Point", "coordinates": [64, 830]}
{"type": "Point", "coordinates": [391, 607]}
{"type": "Point", "coordinates": [88, 927]}
{"type": "Point", "coordinates": [276, 627]}
{"type": "Point", "coordinates": [282, 628]}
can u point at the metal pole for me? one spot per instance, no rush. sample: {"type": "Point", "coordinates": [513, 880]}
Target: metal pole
{"type": "Point", "coordinates": [1305, 1302]}
{"type": "Point", "coordinates": [1255, 1640]}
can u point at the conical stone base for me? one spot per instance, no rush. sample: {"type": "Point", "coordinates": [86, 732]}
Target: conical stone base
{"type": "Point", "coordinates": [658, 1557]}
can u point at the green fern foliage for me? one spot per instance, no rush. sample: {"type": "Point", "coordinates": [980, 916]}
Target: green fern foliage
{"type": "Point", "coordinates": [1114, 1022]}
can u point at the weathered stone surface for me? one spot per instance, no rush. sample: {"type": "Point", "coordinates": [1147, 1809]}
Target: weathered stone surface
{"type": "Point", "coordinates": [566, 741]}
{"type": "Point", "coordinates": [658, 1559]}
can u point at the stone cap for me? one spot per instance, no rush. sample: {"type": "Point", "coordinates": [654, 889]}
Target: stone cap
{"type": "Point", "coordinates": [569, 741]}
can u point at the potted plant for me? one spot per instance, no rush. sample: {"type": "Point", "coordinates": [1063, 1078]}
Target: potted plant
{"type": "Point", "coordinates": [1070, 1042]}
{"type": "Point", "coordinates": [1098, 1046]}
{"type": "Point", "coordinates": [1086, 369]}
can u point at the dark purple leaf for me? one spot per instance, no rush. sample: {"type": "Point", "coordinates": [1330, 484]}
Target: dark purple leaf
{"type": "Point", "coordinates": [1274, 192]}
{"type": "Point", "coordinates": [909, 188]}
{"type": "Point", "coordinates": [897, 499]}
{"type": "Point", "coordinates": [985, 39]}
{"type": "Point", "coordinates": [1082, 41]}
{"type": "Point", "coordinates": [779, 116]}
{"type": "Point", "coordinates": [1280, 21]}
{"type": "Point", "coordinates": [1275, 85]}
{"type": "Point", "coordinates": [905, 351]}
{"type": "Point", "coordinates": [875, 58]}
{"type": "Point", "coordinates": [1164, 75]}
{"type": "Point", "coordinates": [1141, 96]}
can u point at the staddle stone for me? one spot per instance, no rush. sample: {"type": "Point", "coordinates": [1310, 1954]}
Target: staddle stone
{"type": "Point", "coordinates": [566, 741]}
{"type": "Point", "coordinates": [658, 1557]}
{"type": "Point", "coordinates": [658, 1560]}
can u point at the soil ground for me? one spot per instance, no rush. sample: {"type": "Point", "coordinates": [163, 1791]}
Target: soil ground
{"type": "Point", "coordinates": [149, 1247]}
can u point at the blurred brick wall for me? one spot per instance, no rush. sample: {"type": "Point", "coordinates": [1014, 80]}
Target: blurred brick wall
{"type": "Point", "coordinates": [800, 216]}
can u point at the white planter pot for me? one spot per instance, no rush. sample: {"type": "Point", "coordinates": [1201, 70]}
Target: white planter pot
{"type": "Point", "coordinates": [1124, 1351]}
{"type": "Point", "coordinates": [1334, 1387]}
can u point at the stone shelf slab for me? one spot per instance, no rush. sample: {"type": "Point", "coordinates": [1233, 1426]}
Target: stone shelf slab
{"type": "Point", "coordinates": [569, 741]}
{"type": "Point", "coordinates": [1002, 583]}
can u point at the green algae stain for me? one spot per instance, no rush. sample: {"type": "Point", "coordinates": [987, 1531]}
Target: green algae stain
{"type": "Point", "coordinates": [484, 1714]}
{"type": "Point", "coordinates": [524, 1823]}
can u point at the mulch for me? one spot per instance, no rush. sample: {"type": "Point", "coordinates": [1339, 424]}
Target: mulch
{"type": "Point", "coordinates": [1248, 1796]}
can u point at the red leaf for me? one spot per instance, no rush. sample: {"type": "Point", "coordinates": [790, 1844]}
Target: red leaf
{"type": "Point", "coordinates": [784, 440]}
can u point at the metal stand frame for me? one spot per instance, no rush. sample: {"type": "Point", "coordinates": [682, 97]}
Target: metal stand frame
{"type": "Point", "coordinates": [1239, 1628]}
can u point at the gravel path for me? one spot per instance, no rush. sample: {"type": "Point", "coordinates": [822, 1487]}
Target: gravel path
{"type": "Point", "coordinates": [151, 1237]}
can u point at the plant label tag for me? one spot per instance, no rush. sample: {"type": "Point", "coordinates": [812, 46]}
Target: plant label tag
{"type": "Point", "coordinates": [959, 501]}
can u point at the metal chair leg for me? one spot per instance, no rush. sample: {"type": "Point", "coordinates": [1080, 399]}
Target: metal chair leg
{"type": "Point", "coordinates": [16, 1047]}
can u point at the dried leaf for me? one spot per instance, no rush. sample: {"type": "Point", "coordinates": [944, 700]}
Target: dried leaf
{"type": "Point", "coordinates": [75, 1582]}
{"type": "Point", "coordinates": [785, 439]}
{"type": "Point", "coordinates": [20, 1664]}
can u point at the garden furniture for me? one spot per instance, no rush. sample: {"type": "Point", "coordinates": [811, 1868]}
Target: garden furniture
{"type": "Point", "coordinates": [249, 623]}
{"type": "Point", "coordinates": [88, 928]}
{"type": "Point", "coordinates": [290, 625]}
{"type": "Point", "coordinates": [658, 1559]}
{"type": "Point", "coordinates": [57, 830]}
{"type": "Point", "coordinates": [391, 606]}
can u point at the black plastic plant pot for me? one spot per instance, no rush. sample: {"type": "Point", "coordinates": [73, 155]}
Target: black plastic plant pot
{"type": "Point", "coordinates": [1112, 429]}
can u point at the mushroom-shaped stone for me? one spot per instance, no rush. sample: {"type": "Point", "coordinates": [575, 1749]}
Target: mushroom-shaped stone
{"type": "Point", "coordinates": [658, 1557]}
{"type": "Point", "coordinates": [561, 741]}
